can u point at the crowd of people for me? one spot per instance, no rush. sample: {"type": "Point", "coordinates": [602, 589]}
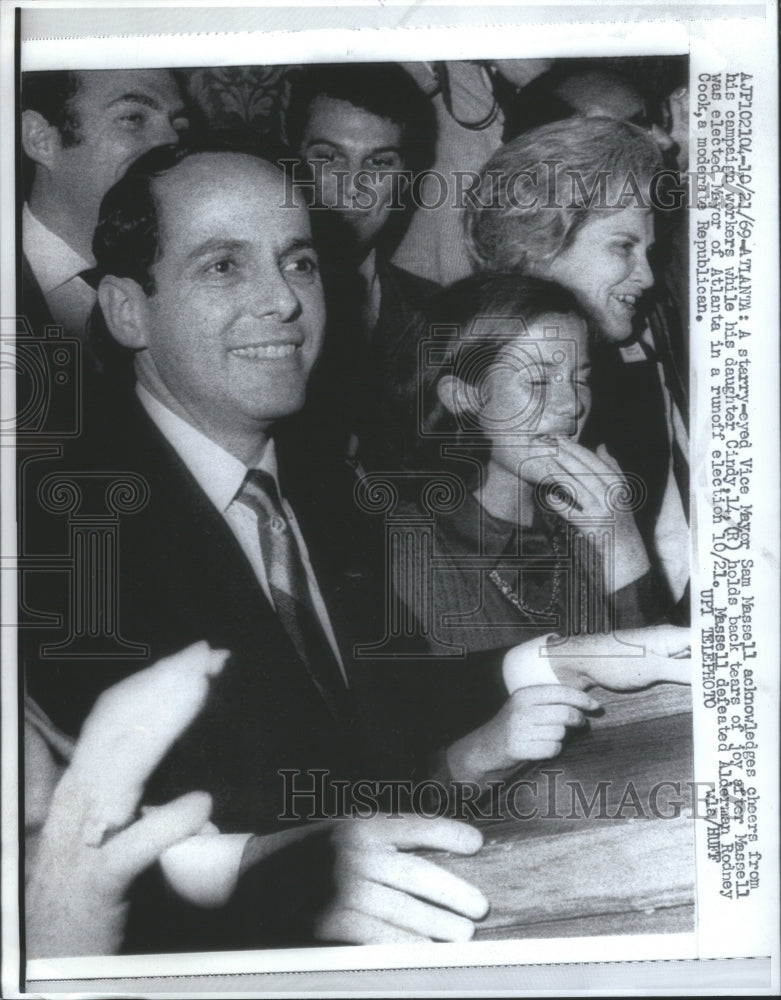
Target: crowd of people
{"type": "Point", "coordinates": [253, 360]}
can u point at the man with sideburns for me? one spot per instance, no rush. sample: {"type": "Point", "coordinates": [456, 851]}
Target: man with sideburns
{"type": "Point", "coordinates": [210, 280]}
{"type": "Point", "coordinates": [79, 132]}
{"type": "Point", "coordinates": [213, 285]}
{"type": "Point", "coordinates": [362, 132]}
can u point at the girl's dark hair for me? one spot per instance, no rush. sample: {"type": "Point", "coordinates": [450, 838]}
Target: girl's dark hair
{"type": "Point", "coordinates": [461, 333]}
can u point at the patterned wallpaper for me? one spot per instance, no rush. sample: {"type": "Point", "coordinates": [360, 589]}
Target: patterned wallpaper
{"type": "Point", "coordinates": [253, 98]}
{"type": "Point", "coordinates": [241, 98]}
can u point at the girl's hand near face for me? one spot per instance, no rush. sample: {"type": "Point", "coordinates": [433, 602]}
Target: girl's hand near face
{"type": "Point", "coordinates": [600, 491]}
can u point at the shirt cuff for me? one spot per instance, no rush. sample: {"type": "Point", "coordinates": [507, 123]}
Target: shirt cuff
{"type": "Point", "coordinates": [528, 665]}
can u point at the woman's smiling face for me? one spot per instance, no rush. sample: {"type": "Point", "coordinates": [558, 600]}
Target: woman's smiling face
{"type": "Point", "coordinates": [606, 266]}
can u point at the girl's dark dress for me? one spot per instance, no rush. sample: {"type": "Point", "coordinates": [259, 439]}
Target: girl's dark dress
{"type": "Point", "coordinates": [490, 584]}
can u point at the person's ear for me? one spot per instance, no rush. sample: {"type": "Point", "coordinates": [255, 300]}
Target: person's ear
{"type": "Point", "coordinates": [124, 305]}
{"type": "Point", "coordinates": [456, 396]}
{"type": "Point", "coordinates": [40, 140]}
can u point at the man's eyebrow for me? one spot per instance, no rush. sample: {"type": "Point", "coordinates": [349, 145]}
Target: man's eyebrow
{"type": "Point", "coordinates": [148, 101]}
{"type": "Point", "coordinates": [323, 142]}
{"type": "Point", "coordinates": [135, 98]}
{"type": "Point", "coordinates": [217, 244]}
{"type": "Point", "coordinates": [295, 246]}
{"type": "Point", "coordinates": [388, 148]}
{"type": "Point", "coordinates": [222, 244]}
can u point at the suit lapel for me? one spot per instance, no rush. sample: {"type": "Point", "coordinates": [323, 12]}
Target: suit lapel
{"type": "Point", "coordinates": [210, 550]}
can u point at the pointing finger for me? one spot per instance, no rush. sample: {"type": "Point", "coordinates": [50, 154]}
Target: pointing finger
{"type": "Point", "coordinates": [405, 911]}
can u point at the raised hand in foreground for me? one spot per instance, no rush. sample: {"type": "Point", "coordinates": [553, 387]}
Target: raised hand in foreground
{"type": "Point", "coordinates": [89, 849]}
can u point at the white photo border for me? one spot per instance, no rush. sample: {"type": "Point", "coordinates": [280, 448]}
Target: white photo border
{"type": "Point", "coordinates": [181, 36]}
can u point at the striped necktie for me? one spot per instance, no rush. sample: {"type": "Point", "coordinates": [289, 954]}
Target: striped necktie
{"type": "Point", "coordinates": [289, 586]}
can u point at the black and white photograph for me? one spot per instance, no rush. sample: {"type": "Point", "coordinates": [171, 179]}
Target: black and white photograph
{"type": "Point", "coordinates": [392, 548]}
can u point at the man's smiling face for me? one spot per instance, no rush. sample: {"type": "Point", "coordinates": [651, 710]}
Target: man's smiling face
{"type": "Point", "coordinates": [236, 319]}
{"type": "Point", "coordinates": [349, 148]}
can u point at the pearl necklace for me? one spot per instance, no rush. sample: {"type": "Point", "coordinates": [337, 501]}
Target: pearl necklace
{"type": "Point", "coordinates": [518, 601]}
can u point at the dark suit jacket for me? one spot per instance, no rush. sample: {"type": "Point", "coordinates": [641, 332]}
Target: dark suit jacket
{"type": "Point", "coordinates": [31, 302]}
{"type": "Point", "coordinates": [182, 577]}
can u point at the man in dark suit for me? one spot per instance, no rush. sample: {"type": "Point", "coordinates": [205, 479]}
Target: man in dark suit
{"type": "Point", "coordinates": [213, 285]}
{"type": "Point", "coordinates": [363, 132]}
{"type": "Point", "coordinates": [173, 517]}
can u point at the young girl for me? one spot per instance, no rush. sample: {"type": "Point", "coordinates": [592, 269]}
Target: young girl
{"type": "Point", "coordinates": [540, 536]}
{"type": "Point", "coordinates": [519, 536]}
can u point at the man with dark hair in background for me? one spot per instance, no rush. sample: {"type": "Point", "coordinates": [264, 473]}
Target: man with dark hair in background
{"type": "Point", "coordinates": [364, 131]}
{"type": "Point", "coordinates": [80, 131]}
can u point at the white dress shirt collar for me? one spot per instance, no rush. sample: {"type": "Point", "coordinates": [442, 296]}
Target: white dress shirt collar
{"type": "Point", "coordinates": [52, 260]}
{"type": "Point", "coordinates": [219, 474]}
